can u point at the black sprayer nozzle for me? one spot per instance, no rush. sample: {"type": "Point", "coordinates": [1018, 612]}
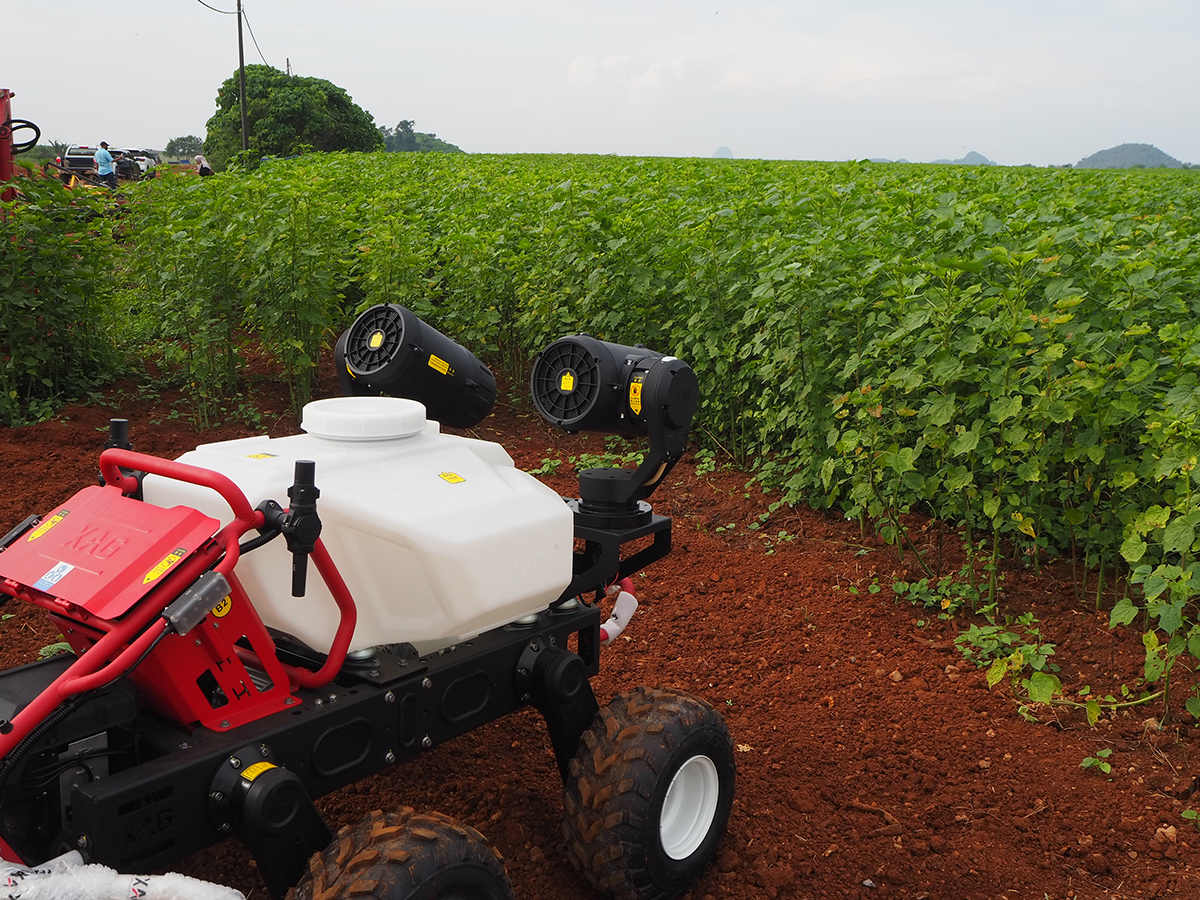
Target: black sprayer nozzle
{"type": "Point", "coordinates": [118, 434]}
{"type": "Point", "coordinates": [302, 526]}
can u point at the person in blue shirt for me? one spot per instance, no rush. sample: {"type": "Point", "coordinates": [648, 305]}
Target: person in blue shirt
{"type": "Point", "coordinates": [104, 165]}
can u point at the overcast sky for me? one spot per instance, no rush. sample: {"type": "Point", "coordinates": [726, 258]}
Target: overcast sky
{"type": "Point", "coordinates": [1040, 82]}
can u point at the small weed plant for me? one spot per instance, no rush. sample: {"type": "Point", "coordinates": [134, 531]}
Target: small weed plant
{"type": "Point", "coordinates": [1099, 762]}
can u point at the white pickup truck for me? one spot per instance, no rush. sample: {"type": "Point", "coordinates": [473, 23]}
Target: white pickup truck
{"type": "Point", "coordinates": [130, 163]}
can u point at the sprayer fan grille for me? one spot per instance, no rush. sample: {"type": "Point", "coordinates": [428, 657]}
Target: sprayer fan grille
{"type": "Point", "coordinates": [566, 382]}
{"type": "Point", "coordinates": [374, 340]}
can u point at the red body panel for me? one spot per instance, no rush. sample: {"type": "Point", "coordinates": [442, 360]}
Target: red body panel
{"type": "Point", "coordinates": [103, 552]}
{"type": "Point", "coordinates": [203, 676]}
{"type": "Point", "coordinates": [105, 566]}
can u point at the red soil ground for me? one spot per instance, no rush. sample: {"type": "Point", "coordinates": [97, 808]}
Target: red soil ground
{"type": "Point", "coordinates": [872, 760]}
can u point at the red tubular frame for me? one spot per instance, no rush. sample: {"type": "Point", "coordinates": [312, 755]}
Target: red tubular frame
{"type": "Point", "coordinates": [345, 631]}
{"type": "Point", "coordinates": [113, 460]}
{"type": "Point", "coordinates": [7, 168]}
{"type": "Point", "coordinates": [113, 654]}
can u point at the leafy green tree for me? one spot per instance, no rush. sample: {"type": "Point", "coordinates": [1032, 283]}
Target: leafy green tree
{"type": "Point", "coordinates": [285, 113]}
{"type": "Point", "coordinates": [403, 139]}
{"type": "Point", "coordinates": [186, 145]}
{"type": "Point", "coordinates": [400, 139]}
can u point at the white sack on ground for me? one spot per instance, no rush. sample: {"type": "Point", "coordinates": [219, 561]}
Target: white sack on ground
{"type": "Point", "coordinates": [66, 878]}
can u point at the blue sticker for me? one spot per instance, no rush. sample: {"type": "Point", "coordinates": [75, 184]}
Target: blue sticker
{"type": "Point", "coordinates": [53, 577]}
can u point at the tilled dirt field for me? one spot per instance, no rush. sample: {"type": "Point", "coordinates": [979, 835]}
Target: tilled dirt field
{"type": "Point", "coordinates": [872, 760]}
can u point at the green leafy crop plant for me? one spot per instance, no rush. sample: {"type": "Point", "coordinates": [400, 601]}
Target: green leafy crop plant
{"type": "Point", "coordinates": [1014, 352]}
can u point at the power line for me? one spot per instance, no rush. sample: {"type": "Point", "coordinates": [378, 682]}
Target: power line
{"type": "Point", "coordinates": [227, 12]}
{"type": "Point", "coordinates": [253, 38]}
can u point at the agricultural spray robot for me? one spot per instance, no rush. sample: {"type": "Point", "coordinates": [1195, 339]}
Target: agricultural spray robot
{"type": "Point", "coordinates": [217, 686]}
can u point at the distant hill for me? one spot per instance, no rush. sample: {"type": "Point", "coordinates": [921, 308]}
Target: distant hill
{"type": "Point", "coordinates": [973, 158]}
{"type": "Point", "coordinates": [1129, 156]}
{"type": "Point", "coordinates": [723, 153]}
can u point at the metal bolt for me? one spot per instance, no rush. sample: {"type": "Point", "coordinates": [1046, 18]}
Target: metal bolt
{"type": "Point", "coordinates": [535, 646]}
{"type": "Point", "coordinates": [389, 757]}
{"type": "Point", "coordinates": [235, 762]}
{"type": "Point", "coordinates": [184, 745]}
{"type": "Point", "coordinates": [389, 697]}
{"type": "Point", "coordinates": [264, 750]}
{"type": "Point", "coordinates": [290, 701]}
{"type": "Point", "coordinates": [525, 698]}
{"type": "Point", "coordinates": [374, 673]}
{"type": "Point", "coordinates": [332, 697]}
{"type": "Point", "coordinates": [224, 723]}
{"type": "Point", "coordinates": [197, 642]}
{"type": "Point", "coordinates": [426, 742]}
{"type": "Point", "coordinates": [216, 797]}
{"type": "Point", "coordinates": [427, 683]}
{"type": "Point", "coordinates": [522, 671]}
{"type": "Point", "coordinates": [82, 841]}
{"type": "Point", "coordinates": [224, 826]}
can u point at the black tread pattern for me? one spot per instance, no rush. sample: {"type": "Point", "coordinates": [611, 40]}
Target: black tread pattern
{"type": "Point", "coordinates": [390, 856]}
{"type": "Point", "coordinates": [612, 781]}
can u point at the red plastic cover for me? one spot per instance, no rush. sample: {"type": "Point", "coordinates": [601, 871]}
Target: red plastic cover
{"type": "Point", "coordinates": [104, 551]}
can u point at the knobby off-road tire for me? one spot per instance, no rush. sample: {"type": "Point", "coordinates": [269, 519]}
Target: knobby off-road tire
{"type": "Point", "coordinates": [405, 856]}
{"type": "Point", "coordinates": [621, 831]}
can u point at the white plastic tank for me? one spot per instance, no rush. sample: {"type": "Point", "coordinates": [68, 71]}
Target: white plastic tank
{"type": "Point", "coordinates": [438, 537]}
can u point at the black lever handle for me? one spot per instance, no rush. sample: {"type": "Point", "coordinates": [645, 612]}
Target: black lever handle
{"type": "Point", "coordinates": [302, 526]}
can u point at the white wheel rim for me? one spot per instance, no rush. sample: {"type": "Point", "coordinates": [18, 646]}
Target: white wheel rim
{"type": "Point", "coordinates": [689, 808]}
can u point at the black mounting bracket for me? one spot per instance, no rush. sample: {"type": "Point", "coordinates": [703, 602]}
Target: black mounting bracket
{"type": "Point", "coordinates": [599, 564]}
{"type": "Point", "coordinates": [270, 809]}
{"type": "Point", "coordinates": [555, 680]}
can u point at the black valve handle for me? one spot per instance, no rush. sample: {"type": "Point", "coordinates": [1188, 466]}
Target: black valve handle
{"type": "Point", "coordinates": [302, 526]}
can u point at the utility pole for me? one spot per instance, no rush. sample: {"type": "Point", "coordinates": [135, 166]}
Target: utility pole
{"type": "Point", "coordinates": [242, 77]}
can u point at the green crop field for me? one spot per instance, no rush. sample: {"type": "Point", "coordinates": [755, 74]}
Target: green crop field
{"type": "Point", "coordinates": [1014, 350]}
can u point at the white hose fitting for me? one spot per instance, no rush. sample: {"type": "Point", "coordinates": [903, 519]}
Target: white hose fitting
{"type": "Point", "coordinates": [623, 610]}
{"type": "Point", "coordinates": [66, 878]}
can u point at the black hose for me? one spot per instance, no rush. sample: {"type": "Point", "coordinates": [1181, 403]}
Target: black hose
{"type": "Point", "coordinates": [15, 125]}
{"type": "Point", "coordinates": [254, 543]}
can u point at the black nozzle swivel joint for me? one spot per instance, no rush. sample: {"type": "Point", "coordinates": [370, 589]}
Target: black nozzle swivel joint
{"type": "Point", "coordinates": [302, 526]}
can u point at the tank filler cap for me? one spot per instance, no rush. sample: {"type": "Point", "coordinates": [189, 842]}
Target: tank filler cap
{"type": "Point", "coordinates": [363, 418]}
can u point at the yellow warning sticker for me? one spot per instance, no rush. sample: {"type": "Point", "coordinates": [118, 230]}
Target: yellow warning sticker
{"type": "Point", "coordinates": [48, 524]}
{"type": "Point", "coordinates": [438, 364]}
{"type": "Point", "coordinates": [163, 565]}
{"type": "Point", "coordinates": [451, 477]}
{"type": "Point", "coordinates": [221, 610]}
{"type": "Point", "coordinates": [566, 383]}
{"type": "Point", "coordinates": [251, 772]}
{"type": "Point", "coordinates": [260, 456]}
{"type": "Point", "coordinates": [375, 341]}
{"type": "Point", "coordinates": [635, 395]}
